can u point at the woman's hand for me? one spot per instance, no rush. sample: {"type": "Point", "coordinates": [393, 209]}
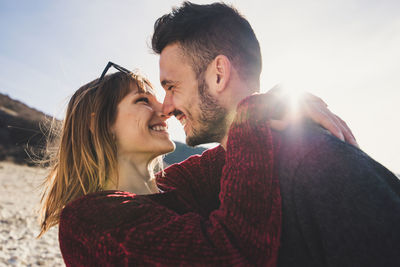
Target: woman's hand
{"type": "Point", "coordinates": [309, 106]}
{"type": "Point", "coordinates": [317, 110]}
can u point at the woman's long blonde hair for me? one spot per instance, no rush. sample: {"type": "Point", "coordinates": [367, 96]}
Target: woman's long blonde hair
{"type": "Point", "coordinates": [85, 154]}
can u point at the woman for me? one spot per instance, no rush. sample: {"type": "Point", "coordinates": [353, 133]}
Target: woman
{"type": "Point", "coordinates": [90, 157]}
{"type": "Point", "coordinates": [102, 192]}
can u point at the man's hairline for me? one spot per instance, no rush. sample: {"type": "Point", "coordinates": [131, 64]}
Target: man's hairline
{"type": "Point", "coordinates": [186, 58]}
{"type": "Point", "coordinates": [184, 54]}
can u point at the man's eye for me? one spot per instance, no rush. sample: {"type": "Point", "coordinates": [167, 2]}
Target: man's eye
{"type": "Point", "coordinates": [170, 87]}
{"type": "Point", "coordinates": [142, 99]}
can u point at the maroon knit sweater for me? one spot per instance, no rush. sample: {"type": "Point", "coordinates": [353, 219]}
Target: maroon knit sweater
{"type": "Point", "coordinates": [219, 209]}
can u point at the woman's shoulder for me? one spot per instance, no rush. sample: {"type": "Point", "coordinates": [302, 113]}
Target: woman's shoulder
{"type": "Point", "coordinates": [102, 219]}
{"type": "Point", "coordinates": [103, 210]}
{"type": "Point", "coordinates": [102, 199]}
{"type": "Point", "coordinates": [108, 209]}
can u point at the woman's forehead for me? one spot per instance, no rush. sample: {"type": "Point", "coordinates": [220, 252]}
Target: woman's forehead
{"type": "Point", "coordinates": [142, 88]}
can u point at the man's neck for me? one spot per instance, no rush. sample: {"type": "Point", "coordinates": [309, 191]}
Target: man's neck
{"type": "Point", "coordinates": [236, 91]}
{"type": "Point", "coordinates": [229, 120]}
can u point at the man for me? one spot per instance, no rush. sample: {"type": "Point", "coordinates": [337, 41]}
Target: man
{"type": "Point", "coordinates": [339, 207]}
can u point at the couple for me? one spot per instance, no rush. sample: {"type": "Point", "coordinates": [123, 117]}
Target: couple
{"type": "Point", "coordinates": [266, 196]}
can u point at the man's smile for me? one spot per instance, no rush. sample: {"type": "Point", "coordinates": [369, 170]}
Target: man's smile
{"type": "Point", "coordinates": [181, 117]}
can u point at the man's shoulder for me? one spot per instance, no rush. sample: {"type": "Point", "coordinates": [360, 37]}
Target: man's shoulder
{"type": "Point", "coordinates": [309, 150]}
{"type": "Point", "coordinates": [308, 143]}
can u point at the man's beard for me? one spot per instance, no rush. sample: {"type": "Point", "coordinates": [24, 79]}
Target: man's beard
{"type": "Point", "coordinates": [212, 120]}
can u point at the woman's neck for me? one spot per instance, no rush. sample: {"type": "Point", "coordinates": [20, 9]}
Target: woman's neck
{"type": "Point", "coordinates": [133, 176]}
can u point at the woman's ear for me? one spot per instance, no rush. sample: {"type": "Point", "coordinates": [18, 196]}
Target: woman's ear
{"type": "Point", "coordinates": [222, 71]}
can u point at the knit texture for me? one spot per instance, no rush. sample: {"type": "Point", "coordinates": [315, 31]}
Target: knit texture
{"type": "Point", "coordinates": [224, 214]}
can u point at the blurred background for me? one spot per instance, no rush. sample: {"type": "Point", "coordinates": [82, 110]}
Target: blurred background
{"type": "Point", "coordinates": [345, 51]}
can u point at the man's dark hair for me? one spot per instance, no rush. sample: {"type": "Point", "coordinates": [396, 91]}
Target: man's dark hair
{"type": "Point", "coordinates": [206, 31]}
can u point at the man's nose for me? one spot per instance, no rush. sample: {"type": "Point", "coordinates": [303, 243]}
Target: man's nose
{"type": "Point", "coordinates": [168, 106]}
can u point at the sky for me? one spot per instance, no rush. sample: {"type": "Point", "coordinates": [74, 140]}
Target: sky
{"type": "Point", "coordinates": [345, 51]}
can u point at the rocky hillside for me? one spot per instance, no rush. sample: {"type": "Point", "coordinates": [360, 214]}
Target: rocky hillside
{"type": "Point", "coordinates": [20, 130]}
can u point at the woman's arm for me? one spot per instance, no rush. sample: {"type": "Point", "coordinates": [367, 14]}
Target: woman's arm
{"type": "Point", "coordinates": [197, 179]}
{"type": "Point", "coordinates": [308, 106]}
{"type": "Point", "coordinates": [244, 230]}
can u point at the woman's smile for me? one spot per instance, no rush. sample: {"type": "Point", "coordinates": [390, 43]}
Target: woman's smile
{"type": "Point", "coordinates": [140, 125]}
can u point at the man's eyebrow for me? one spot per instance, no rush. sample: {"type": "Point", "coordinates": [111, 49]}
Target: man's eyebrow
{"type": "Point", "coordinates": [165, 82]}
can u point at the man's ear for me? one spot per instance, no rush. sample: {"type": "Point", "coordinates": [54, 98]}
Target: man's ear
{"type": "Point", "coordinates": [222, 71]}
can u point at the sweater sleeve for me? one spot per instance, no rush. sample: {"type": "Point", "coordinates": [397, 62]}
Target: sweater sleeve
{"type": "Point", "coordinates": [244, 230]}
{"type": "Point", "coordinates": [196, 180]}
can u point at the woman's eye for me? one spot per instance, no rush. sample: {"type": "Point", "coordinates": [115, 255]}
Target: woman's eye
{"type": "Point", "coordinates": [170, 87]}
{"type": "Point", "coordinates": [142, 99]}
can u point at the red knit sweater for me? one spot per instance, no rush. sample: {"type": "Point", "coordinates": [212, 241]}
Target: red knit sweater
{"type": "Point", "coordinates": [220, 209]}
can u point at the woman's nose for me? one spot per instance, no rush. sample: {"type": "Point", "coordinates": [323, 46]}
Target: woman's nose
{"type": "Point", "coordinates": [158, 108]}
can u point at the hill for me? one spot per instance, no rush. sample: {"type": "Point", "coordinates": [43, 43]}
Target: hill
{"type": "Point", "coordinates": [182, 152]}
{"type": "Point", "coordinates": [21, 129]}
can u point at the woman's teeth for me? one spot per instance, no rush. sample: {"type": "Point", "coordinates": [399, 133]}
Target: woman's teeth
{"type": "Point", "coordinates": [159, 128]}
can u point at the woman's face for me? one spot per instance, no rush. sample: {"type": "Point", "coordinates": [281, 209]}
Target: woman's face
{"type": "Point", "coordinates": [139, 129]}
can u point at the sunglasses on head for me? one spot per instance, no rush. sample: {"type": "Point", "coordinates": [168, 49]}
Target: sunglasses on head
{"type": "Point", "coordinates": [118, 67]}
{"type": "Point", "coordinates": [108, 66]}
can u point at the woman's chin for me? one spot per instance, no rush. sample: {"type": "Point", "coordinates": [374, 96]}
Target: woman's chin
{"type": "Point", "coordinates": [166, 148]}
{"type": "Point", "coordinates": [171, 147]}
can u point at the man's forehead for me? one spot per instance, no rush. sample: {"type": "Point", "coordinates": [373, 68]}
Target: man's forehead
{"type": "Point", "coordinates": [172, 50]}
{"type": "Point", "coordinates": [172, 64]}
{"type": "Point", "coordinates": [169, 56]}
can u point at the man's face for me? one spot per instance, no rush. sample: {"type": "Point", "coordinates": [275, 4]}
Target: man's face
{"type": "Point", "coordinates": [189, 99]}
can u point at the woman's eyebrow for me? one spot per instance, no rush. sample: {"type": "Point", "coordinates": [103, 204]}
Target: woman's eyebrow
{"type": "Point", "coordinates": [142, 92]}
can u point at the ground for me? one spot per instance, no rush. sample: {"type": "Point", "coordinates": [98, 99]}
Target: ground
{"type": "Point", "coordinates": [19, 202]}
